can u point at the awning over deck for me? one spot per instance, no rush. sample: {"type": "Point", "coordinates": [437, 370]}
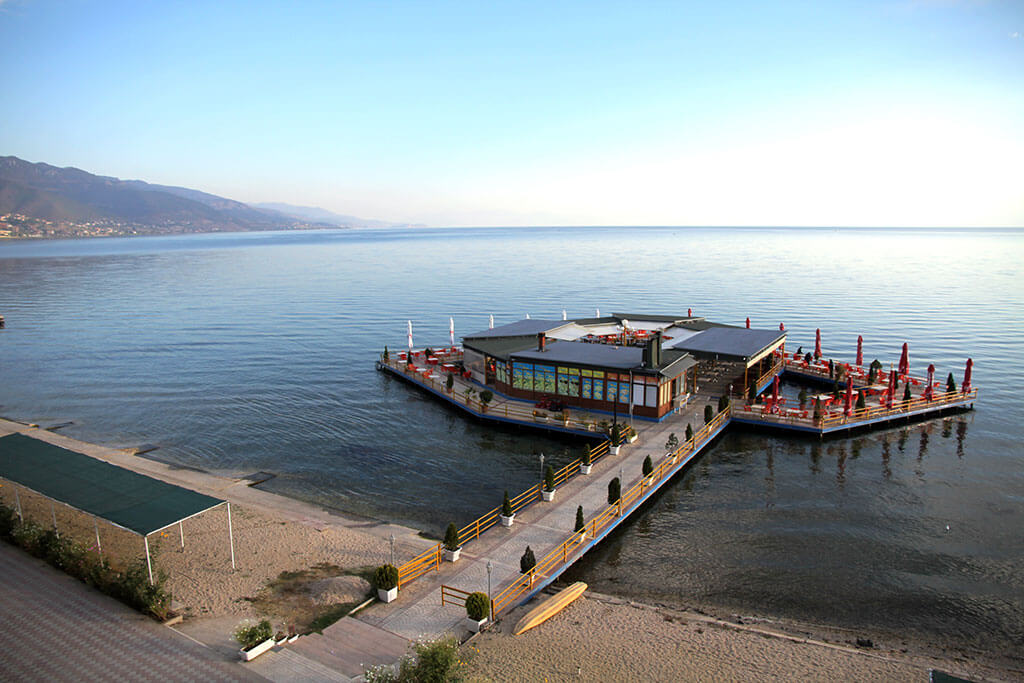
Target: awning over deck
{"type": "Point", "coordinates": [132, 501]}
{"type": "Point", "coordinates": [737, 343]}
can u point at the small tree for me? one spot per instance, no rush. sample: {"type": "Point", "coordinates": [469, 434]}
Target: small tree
{"type": "Point", "coordinates": [506, 505]}
{"type": "Point", "coordinates": [478, 606]}
{"type": "Point", "coordinates": [861, 403]}
{"type": "Point", "coordinates": [689, 433]}
{"type": "Point", "coordinates": [906, 392]}
{"type": "Point", "coordinates": [386, 355]}
{"type": "Point", "coordinates": [449, 382]}
{"type": "Point", "coordinates": [428, 352]}
{"type": "Point", "coordinates": [808, 357]}
{"type": "Point", "coordinates": [709, 414]}
{"type": "Point", "coordinates": [648, 466]}
{"type": "Point", "coordinates": [831, 369]}
{"type": "Point", "coordinates": [950, 384]}
{"type": "Point", "coordinates": [802, 397]}
{"type": "Point", "coordinates": [587, 456]}
{"type": "Point", "coordinates": [385, 577]}
{"type": "Point", "coordinates": [751, 393]}
{"type": "Point", "coordinates": [614, 491]}
{"type": "Point", "coordinates": [485, 398]}
{"type": "Point", "coordinates": [451, 537]}
{"type": "Point", "coordinates": [616, 434]}
{"type": "Point", "coordinates": [580, 524]}
{"type": "Point", "coordinates": [723, 403]}
{"type": "Point", "coordinates": [672, 443]}
{"type": "Point", "coordinates": [527, 561]}
{"type": "Point", "coordinates": [549, 478]}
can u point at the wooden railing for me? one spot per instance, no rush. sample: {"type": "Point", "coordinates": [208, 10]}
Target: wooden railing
{"type": "Point", "coordinates": [420, 565]}
{"type": "Point", "coordinates": [566, 551]}
{"type": "Point", "coordinates": [775, 369]}
{"type": "Point", "coordinates": [898, 407]}
{"type": "Point", "coordinates": [453, 596]}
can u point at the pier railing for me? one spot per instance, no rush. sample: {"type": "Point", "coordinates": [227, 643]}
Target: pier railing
{"type": "Point", "coordinates": [420, 565]}
{"type": "Point", "coordinates": [566, 552]}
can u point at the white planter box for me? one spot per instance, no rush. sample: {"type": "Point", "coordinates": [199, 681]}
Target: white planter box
{"type": "Point", "coordinates": [547, 495]}
{"type": "Point", "coordinates": [585, 469]}
{"type": "Point", "coordinates": [474, 625]}
{"type": "Point", "coordinates": [614, 450]}
{"type": "Point", "coordinates": [389, 595]}
{"type": "Point", "coordinates": [507, 521]}
{"type": "Point", "coordinates": [632, 438]}
{"type": "Point", "coordinates": [257, 650]}
{"type": "Point", "coordinates": [581, 537]}
{"type": "Point", "coordinates": [452, 555]}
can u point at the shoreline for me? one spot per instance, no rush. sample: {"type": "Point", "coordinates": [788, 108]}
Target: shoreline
{"type": "Point", "coordinates": [367, 540]}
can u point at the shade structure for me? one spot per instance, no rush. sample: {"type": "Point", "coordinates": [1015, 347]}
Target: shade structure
{"type": "Point", "coordinates": [817, 343]}
{"type": "Point", "coordinates": [451, 330]}
{"type": "Point", "coordinates": [597, 312]}
{"type": "Point", "coordinates": [410, 335]}
{"type": "Point", "coordinates": [860, 350]}
{"type": "Point", "coordinates": [966, 386]}
{"type": "Point", "coordinates": [848, 404]}
{"type": "Point", "coordinates": [748, 322]}
{"type": "Point", "coordinates": [565, 316]}
{"type": "Point", "coordinates": [904, 367]}
{"type": "Point", "coordinates": [929, 389]}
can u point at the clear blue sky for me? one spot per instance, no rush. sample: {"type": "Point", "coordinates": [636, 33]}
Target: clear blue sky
{"type": "Point", "coordinates": [752, 113]}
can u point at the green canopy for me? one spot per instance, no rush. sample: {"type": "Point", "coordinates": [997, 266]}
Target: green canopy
{"type": "Point", "coordinates": [133, 501]}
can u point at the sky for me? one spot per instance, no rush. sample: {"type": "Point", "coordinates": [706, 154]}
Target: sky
{"type": "Point", "coordinates": [900, 113]}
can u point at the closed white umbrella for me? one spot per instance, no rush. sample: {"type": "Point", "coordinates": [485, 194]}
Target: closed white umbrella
{"type": "Point", "coordinates": [564, 316]}
{"type": "Point", "coordinates": [451, 330]}
{"type": "Point", "coordinates": [597, 312]}
{"type": "Point", "coordinates": [490, 325]}
{"type": "Point", "coordinates": [527, 316]}
{"type": "Point", "coordinates": [410, 335]}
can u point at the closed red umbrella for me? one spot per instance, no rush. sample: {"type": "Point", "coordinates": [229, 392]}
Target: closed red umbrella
{"type": "Point", "coordinates": [929, 389]}
{"type": "Point", "coordinates": [966, 387]}
{"type": "Point", "coordinates": [775, 392]}
{"type": "Point", "coordinates": [860, 350]}
{"type": "Point", "coordinates": [817, 343]}
{"type": "Point", "coordinates": [748, 322]}
{"type": "Point", "coordinates": [891, 391]}
{"type": "Point", "coordinates": [848, 406]}
{"type": "Point", "coordinates": [689, 312]}
{"type": "Point", "coordinates": [904, 366]}
{"type": "Point", "coordinates": [782, 327]}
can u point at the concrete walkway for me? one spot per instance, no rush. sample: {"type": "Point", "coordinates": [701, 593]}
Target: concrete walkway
{"type": "Point", "coordinates": [58, 629]}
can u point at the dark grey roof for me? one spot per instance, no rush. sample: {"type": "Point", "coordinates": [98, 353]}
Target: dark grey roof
{"type": "Point", "coordinates": [654, 318]}
{"type": "Point", "coordinates": [520, 328]}
{"type": "Point", "coordinates": [500, 347]}
{"type": "Point", "coordinates": [606, 356]}
{"type": "Point", "coordinates": [737, 342]}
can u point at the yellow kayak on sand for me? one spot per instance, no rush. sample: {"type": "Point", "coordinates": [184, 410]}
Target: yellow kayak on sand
{"type": "Point", "coordinates": [550, 606]}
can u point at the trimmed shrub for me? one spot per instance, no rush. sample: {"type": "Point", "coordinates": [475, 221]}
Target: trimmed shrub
{"type": "Point", "coordinates": [648, 466]}
{"type": "Point", "coordinates": [385, 577]}
{"type": "Point", "coordinates": [906, 392]}
{"type": "Point", "coordinates": [616, 434]}
{"type": "Point", "coordinates": [861, 403]}
{"type": "Point", "coordinates": [486, 396]}
{"type": "Point", "coordinates": [478, 606]}
{"type": "Point", "coordinates": [689, 433]}
{"type": "Point", "coordinates": [723, 403]}
{"type": "Point", "coordinates": [451, 537]}
{"type": "Point", "coordinates": [386, 354]}
{"type": "Point", "coordinates": [672, 443]}
{"type": "Point", "coordinates": [580, 523]}
{"type": "Point", "coordinates": [549, 478]}
{"type": "Point", "coordinates": [449, 382]}
{"type": "Point", "coordinates": [250, 635]}
{"type": "Point", "coordinates": [586, 455]}
{"type": "Point", "coordinates": [614, 491]}
{"type": "Point", "coordinates": [802, 397]}
{"type": "Point", "coordinates": [950, 384]}
{"type": "Point", "coordinates": [709, 414]}
{"type": "Point", "coordinates": [527, 561]}
{"type": "Point", "coordinates": [506, 505]}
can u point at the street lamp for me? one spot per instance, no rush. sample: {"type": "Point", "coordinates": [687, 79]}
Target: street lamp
{"type": "Point", "coordinates": [542, 467]}
{"type": "Point", "coordinates": [489, 567]}
{"type": "Point", "coordinates": [392, 550]}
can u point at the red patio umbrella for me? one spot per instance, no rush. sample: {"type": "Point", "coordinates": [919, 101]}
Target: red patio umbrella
{"type": "Point", "coordinates": [890, 392]}
{"type": "Point", "coordinates": [689, 312]}
{"type": "Point", "coordinates": [848, 404]}
{"type": "Point", "coordinates": [904, 367]}
{"type": "Point", "coordinates": [775, 392]}
{"type": "Point", "coordinates": [966, 386]}
{"type": "Point", "coordinates": [860, 350]}
{"type": "Point", "coordinates": [929, 389]}
{"type": "Point", "coordinates": [748, 322]}
{"type": "Point", "coordinates": [817, 343]}
{"type": "Point", "coordinates": [782, 327]}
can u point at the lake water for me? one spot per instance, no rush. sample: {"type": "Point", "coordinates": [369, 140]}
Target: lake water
{"type": "Point", "coordinates": [245, 352]}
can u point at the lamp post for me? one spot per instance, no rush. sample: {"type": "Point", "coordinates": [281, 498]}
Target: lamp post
{"type": "Point", "coordinates": [489, 607]}
{"type": "Point", "coordinates": [392, 539]}
{"type": "Point", "coordinates": [542, 467]}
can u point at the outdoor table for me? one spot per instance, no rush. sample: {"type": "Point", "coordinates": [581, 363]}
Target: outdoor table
{"type": "Point", "coordinates": [432, 360]}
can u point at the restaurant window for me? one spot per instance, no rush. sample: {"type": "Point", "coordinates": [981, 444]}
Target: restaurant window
{"type": "Point", "coordinates": [522, 376]}
{"type": "Point", "coordinates": [545, 378]}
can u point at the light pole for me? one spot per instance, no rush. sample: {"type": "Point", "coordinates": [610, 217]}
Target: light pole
{"type": "Point", "coordinates": [542, 467]}
{"type": "Point", "coordinates": [489, 567]}
{"type": "Point", "coordinates": [392, 550]}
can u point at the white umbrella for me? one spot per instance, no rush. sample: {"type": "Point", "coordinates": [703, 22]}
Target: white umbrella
{"type": "Point", "coordinates": [597, 312]}
{"type": "Point", "coordinates": [410, 335]}
{"type": "Point", "coordinates": [564, 316]}
{"type": "Point", "coordinates": [490, 325]}
{"type": "Point", "coordinates": [451, 330]}
{"type": "Point", "coordinates": [527, 316]}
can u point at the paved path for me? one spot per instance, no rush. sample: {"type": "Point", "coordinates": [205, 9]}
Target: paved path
{"type": "Point", "coordinates": [56, 628]}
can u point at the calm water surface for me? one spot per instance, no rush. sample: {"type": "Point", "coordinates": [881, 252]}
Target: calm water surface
{"type": "Point", "coordinates": [246, 352]}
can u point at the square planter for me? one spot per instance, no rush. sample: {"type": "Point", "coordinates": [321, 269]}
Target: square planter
{"type": "Point", "coordinates": [474, 625]}
{"type": "Point", "coordinates": [585, 469]}
{"type": "Point", "coordinates": [452, 555]}
{"type": "Point", "coordinates": [507, 521]}
{"type": "Point", "coordinates": [632, 438]}
{"type": "Point", "coordinates": [581, 536]}
{"type": "Point", "coordinates": [614, 450]}
{"type": "Point", "coordinates": [256, 650]}
{"type": "Point", "coordinates": [389, 595]}
{"type": "Point", "coordinates": [548, 496]}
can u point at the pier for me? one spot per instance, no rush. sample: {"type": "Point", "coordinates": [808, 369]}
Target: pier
{"type": "Point", "coordinates": [719, 392]}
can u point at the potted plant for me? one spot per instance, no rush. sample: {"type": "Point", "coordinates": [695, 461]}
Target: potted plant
{"type": "Point", "coordinates": [449, 382]}
{"type": "Point", "coordinates": [527, 562]}
{"type": "Point", "coordinates": [616, 439]}
{"type": "Point", "coordinates": [385, 578]}
{"type": "Point", "coordinates": [452, 549]}
{"type": "Point", "coordinates": [386, 354]}
{"type": "Point", "coordinates": [689, 433]}
{"type": "Point", "coordinates": [548, 492]}
{"type": "Point", "coordinates": [507, 516]}
{"type": "Point", "coordinates": [633, 436]}
{"type": "Point", "coordinates": [255, 639]}
{"type": "Point", "coordinates": [906, 392]}
{"type": "Point", "coordinates": [478, 607]}
{"type": "Point", "coordinates": [485, 397]}
{"type": "Point", "coordinates": [581, 526]}
{"type": "Point", "coordinates": [614, 491]}
{"type": "Point", "coordinates": [585, 463]}
{"type": "Point", "coordinates": [723, 403]}
{"type": "Point", "coordinates": [950, 384]}
{"type": "Point", "coordinates": [802, 397]}
{"type": "Point", "coordinates": [648, 468]}
{"type": "Point", "coordinates": [709, 414]}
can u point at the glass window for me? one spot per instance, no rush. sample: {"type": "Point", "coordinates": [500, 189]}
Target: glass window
{"type": "Point", "coordinates": [545, 375]}
{"type": "Point", "coordinates": [598, 373]}
{"type": "Point", "coordinates": [613, 391]}
{"type": "Point", "coordinates": [598, 389]}
{"type": "Point", "coordinates": [623, 392]}
{"type": "Point", "coordinates": [587, 373]}
{"type": "Point", "coordinates": [586, 387]}
{"type": "Point", "coordinates": [574, 385]}
{"type": "Point", "coordinates": [563, 384]}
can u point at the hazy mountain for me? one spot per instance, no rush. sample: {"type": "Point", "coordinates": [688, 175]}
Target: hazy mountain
{"type": "Point", "coordinates": [315, 213]}
{"type": "Point", "coordinates": [69, 201]}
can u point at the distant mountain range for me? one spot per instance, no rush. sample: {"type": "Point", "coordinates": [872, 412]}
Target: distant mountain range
{"type": "Point", "coordinates": [42, 200]}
